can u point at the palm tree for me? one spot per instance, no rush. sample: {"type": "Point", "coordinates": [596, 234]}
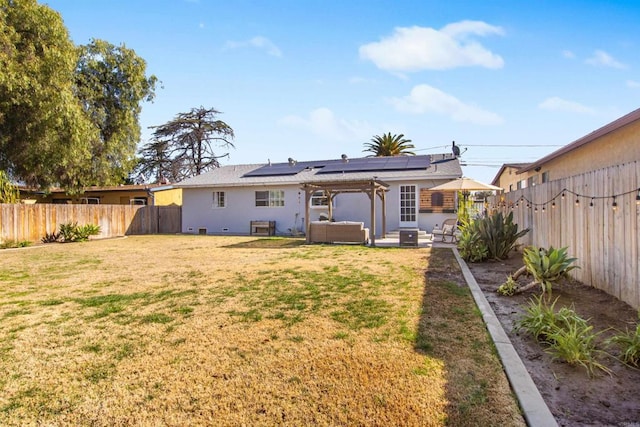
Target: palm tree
{"type": "Point", "coordinates": [389, 145]}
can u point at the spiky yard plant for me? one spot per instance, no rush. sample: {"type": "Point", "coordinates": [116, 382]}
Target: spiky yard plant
{"type": "Point", "coordinates": [50, 237]}
{"type": "Point", "coordinates": [546, 266]}
{"type": "Point", "coordinates": [568, 336]}
{"type": "Point", "coordinates": [471, 247]}
{"type": "Point", "coordinates": [72, 232]}
{"type": "Point", "coordinates": [539, 319]}
{"type": "Point", "coordinates": [574, 342]}
{"type": "Point", "coordinates": [509, 287]}
{"type": "Point", "coordinates": [629, 344]}
{"type": "Point", "coordinates": [499, 234]}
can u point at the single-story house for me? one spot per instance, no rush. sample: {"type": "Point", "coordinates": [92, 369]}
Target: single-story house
{"type": "Point", "coordinates": [138, 194]}
{"type": "Point", "coordinates": [508, 178]}
{"type": "Point", "coordinates": [231, 198]}
{"type": "Point", "coordinates": [616, 143]}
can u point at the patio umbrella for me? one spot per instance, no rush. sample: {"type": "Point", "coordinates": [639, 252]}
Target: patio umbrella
{"type": "Point", "coordinates": [465, 184]}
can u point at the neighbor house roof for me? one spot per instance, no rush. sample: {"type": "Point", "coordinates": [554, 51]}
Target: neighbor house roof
{"type": "Point", "coordinates": [121, 187]}
{"type": "Point", "coordinates": [598, 133]}
{"type": "Point", "coordinates": [441, 166]}
{"type": "Point", "coordinates": [517, 166]}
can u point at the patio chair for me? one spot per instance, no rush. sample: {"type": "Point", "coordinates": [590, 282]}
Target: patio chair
{"type": "Point", "coordinates": [449, 229]}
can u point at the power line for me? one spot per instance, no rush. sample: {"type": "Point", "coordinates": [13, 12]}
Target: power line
{"type": "Point", "coordinates": [492, 145]}
{"type": "Point", "coordinates": [511, 145]}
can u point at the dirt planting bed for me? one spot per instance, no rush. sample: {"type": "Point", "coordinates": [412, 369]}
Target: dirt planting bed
{"type": "Point", "coordinates": [573, 397]}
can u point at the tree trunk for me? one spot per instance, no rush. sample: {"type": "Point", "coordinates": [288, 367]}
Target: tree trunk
{"type": "Point", "coordinates": [520, 272]}
{"type": "Point", "coordinates": [527, 287]}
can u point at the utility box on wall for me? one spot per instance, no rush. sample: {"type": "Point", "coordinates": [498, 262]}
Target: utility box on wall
{"type": "Point", "coordinates": [409, 238]}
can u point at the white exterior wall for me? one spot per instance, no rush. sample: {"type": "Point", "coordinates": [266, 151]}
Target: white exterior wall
{"type": "Point", "coordinates": [240, 209]}
{"type": "Point", "coordinates": [198, 211]}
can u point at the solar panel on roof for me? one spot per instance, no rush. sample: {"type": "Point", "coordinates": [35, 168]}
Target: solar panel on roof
{"type": "Point", "coordinates": [378, 164]}
{"type": "Point", "coordinates": [277, 169]}
{"type": "Point", "coordinates": [364, 164]}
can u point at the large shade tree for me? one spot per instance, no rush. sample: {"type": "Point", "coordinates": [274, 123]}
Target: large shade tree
{"type": "Point", "coordinates": [186, 146]}
{"type": "Point", "coordinates": [111, 84]}
{"type": "Point", "coordinates": [68, 115]}
{"type": "Point", "coordinates": [9, 193]}
{"type": "Point", "coordinates": [389, 145]}
{"type": "Point", "coordinates": [43, 128]}
{"type": "Point", "coordinates": [155, 163]}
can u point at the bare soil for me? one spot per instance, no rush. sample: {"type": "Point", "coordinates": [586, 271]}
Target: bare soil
{"type": "Point", "coordinates": [573, 397]}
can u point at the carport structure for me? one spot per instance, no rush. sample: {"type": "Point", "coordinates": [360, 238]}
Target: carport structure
{"type": "Point", "coordinates": [373, 188]}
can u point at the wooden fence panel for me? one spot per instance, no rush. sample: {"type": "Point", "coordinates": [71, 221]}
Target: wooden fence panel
{"type": "Point", "coordinates": [605, 240]}
{"type": "Point", "coordinates": [31, 222]}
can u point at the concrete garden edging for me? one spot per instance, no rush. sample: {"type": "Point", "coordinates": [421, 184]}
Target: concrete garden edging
{"type": "Point", "coordinates": [535, 410]}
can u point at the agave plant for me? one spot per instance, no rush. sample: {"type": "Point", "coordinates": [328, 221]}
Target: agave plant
{"type": "Point", "coordinates": [546, 266]}
{"type": "Point", "coordinates": [500, 234]}
{"type": "Point", "coordinates": [470, 245]}
{"type": "Point", "coordinates": [489, 237]}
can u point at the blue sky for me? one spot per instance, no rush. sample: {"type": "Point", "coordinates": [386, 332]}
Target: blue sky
{"type": "Point", "coordinates": [509, 81]}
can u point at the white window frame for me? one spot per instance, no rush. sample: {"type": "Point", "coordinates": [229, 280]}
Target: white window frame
{"type": "Point", "coordinates": [319, 200]}
{"type": "Point", "coordinates": [269, 198]}
{"type": "Point", "coordinates": [219, 200]}
{"type": "Point", "coordinates": [90, 200]}
{"type": "Point", "coordinates": [545, 176]}
{"type": "Point", "coordinates": [138, 201]}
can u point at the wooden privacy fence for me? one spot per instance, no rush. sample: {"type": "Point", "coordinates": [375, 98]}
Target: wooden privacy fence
{"type": "Point", "coordinates": [31, 222]}
{"type": "Point", "coordinates": [602, 236]}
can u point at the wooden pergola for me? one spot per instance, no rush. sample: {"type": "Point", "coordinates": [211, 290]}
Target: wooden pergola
{"type": "Point", "coordinates": [373, 188]}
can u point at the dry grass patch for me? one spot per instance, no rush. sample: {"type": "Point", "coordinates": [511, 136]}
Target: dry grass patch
{"type": "Point", "coordinates": [176, 330]}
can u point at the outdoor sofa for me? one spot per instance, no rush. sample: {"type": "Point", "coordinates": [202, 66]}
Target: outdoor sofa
{"type": "Point", "coordinates": [340, 231]}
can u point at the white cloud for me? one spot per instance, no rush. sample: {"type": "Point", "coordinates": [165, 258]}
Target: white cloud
{"type": "Point", "coordinates": [427, 99]}
{"type": "Point", "coordinates": [603, 59]}
{"type": "Point", "coordinates": [258, 42]}
{"type": "Point", "coordinates": [558, 104]}
{"type": "Point", "coordinates": [633, 84]}
{"type": "Point", "coordinates": [422, 48]}
{"type": "Point", "coordinates": [323, 122]}
{"type": "Point", "coordinates": [568, 54]}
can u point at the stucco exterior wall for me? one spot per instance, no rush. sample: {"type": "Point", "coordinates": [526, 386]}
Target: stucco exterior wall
{"type": "Point", "coordinates": [508, 179]}
{"type": "Point", "coordinates": [615, 148]}
{"type": "Point", "coordinates": [106, 197]}
{"type": "Point", "coordinates": [199, 213]}
{"type": "Point", "coordinates": [172, 197]}
{"type": "Point", "coordinates": [235, 218]}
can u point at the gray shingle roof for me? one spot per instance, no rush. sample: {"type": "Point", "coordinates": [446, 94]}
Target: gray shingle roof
{"type": "Point", "coordinates": [442, 166]}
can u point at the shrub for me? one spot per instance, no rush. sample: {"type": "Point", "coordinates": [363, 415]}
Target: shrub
{"type": "Point", "coordinates": [9, 244]}
{"type": "Point", "coordinates": [489, 237]}
{"type": "Point", "coordinates": [547, 266]}
{"type": "Point", "coordinates": [51, 237]}
{"type": "Point", "coordinates": [471, 248]}
{"type": "Point", "coordinates": [539, 319]}
{"type": "Point", "coordinates": [72, 232]}
{"type": "Point", "coordinates": [574, 343]}
{"type": "Point", "coordinates": [629, 343]}
{"type": "Point", "coordinates": [568, 336]}
{"type": "Point", "coordinates": [83, 232]}
{"type": "Point", "coordinates": [499, 234]}
{"type": "Point", "coordinates": [509, 287]}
